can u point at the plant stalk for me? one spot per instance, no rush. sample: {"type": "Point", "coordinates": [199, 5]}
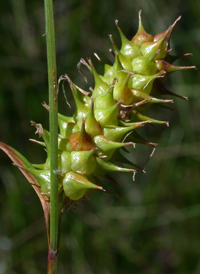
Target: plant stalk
{"type": "Point", "coordinates": [53, 128]}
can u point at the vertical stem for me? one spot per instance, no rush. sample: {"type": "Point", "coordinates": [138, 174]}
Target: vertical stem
{"type": "Point", "coordinates": [53, 126]}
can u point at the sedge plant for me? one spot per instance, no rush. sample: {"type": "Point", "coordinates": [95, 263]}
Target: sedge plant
{"type": "Point", "coordinates": [83, 148]}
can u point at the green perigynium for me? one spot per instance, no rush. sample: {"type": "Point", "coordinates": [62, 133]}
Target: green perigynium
{"type": "Point", "coordinates": [92, 138]}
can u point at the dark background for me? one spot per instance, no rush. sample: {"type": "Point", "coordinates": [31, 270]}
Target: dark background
{"type": "Point", "coordinates": [155, 229]}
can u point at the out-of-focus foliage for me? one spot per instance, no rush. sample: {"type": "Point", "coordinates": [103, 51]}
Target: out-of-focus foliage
{"type": "Point", "coordinates": [155, 229]}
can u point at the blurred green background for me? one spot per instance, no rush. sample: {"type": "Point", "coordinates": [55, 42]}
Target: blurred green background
{"type": "Point", "coordinates": [155, 229]}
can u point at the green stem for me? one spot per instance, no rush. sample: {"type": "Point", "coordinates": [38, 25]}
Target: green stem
{"type": "Point", "coordinates": [53, 127]}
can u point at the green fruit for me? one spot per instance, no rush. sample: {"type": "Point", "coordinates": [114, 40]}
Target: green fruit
{"type": "Point", "coordinates": [83, 162]}
{"type": "Point", "coordinates": [93, 138]}
{"type": "Point", "coordinates": [107, 116]}
{"type": "Point", "coordinates": [143, 65]}
{"type": "Point", "coordinates": [75, 185]}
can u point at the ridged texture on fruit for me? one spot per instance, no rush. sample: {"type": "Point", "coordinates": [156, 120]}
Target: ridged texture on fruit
{"type": "Point", "coordinates": [90, 141]}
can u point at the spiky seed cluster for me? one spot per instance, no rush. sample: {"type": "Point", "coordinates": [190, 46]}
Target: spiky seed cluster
{"type": "Point", "coordinates": [90, 140]}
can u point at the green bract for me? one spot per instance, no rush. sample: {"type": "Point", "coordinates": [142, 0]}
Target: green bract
{"type": "Point", "coordinates": [90, 141]}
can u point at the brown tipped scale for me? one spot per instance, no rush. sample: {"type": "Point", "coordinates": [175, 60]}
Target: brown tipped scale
{"type": "Point", "coordinates": [161, 89]}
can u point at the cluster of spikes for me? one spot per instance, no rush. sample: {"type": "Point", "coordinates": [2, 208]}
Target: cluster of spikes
{"type": "Point", "coordinates": [105, 118]}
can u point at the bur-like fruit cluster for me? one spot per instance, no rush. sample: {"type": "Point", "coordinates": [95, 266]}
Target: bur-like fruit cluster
{"type": "Point", "coordinates": [105, 118]}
